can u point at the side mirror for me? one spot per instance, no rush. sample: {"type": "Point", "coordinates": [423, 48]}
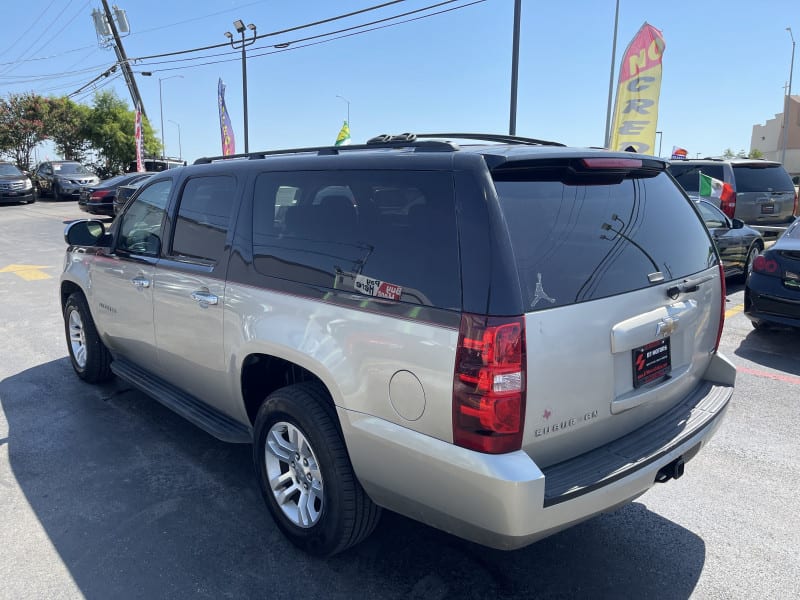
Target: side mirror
{"type": "Point", "coordinates": [84, 233]}
{"type": "Point", "coordinates": [737, 223]}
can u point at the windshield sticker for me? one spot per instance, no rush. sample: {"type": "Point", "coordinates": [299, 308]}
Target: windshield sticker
{"type": "Point", "coordinates": [539, 293]}
{"type": "Point", "coordinates": [378, 288]}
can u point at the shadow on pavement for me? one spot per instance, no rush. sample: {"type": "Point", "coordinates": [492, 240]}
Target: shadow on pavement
{"type": "Point", "coordinates": [776, 347]}
{"type": "Point", "coordinates": [139, 503]}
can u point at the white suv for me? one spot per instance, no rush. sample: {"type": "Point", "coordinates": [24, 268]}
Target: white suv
{"type": "Point", "coordinates": [499, 340]}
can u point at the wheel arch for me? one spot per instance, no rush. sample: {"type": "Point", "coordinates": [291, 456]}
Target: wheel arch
{"type": "Point", "coordinates": [67, 289]}
{"type": "Point", "coordinates": [262, 374]}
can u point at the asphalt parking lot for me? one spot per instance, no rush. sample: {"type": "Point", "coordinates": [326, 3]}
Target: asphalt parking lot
{"type": "Point", "coordinates": [106, 494]}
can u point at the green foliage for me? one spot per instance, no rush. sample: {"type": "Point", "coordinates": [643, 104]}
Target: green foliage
{"type": "Point", "coordinates": [728, 153]}
{"type": "Point", "coordinates": [110, 129]}
{"type": "Point", "coordinates": [755, 153]}
{"type": "Point", "coordinates": [66, 125]}
{"type": "Point", "coordinates": [741, 154]}
{"type": "Point", "coordinates": [22, 127]}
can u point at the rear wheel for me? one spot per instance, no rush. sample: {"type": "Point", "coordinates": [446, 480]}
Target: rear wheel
{"type": "Point", "coordinates": [90, 358]}
{"type": "Point", "coordinates": [748, 263]}
{"type": "Point", "coordinates": [305, 474]}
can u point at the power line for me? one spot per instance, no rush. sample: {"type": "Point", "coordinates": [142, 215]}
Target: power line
{"type": "Point", "coordinates": [28, 30]}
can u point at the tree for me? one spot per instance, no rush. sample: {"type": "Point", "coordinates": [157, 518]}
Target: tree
{"type": "Point", "coordinates": [22, 126]}
{"type": "Point", "coordinates": [110, 129]}
{"type": "Point", "coordinates": [66, 124]}
{"type": "Point", "coordinates": [728, 153]}
{"type": "Point", "coordinates": [755, 153]}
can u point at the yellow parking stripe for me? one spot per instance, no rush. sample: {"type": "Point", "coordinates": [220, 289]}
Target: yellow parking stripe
{"type": "Point", "coordinates": [27, 272]}
{"type": "Point", "coordinates": [734, 311]}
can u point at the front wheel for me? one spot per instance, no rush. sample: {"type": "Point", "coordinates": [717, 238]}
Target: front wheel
{"type": "Point", "coordinates": [305, 474]}
{"type": "Point", "coordinates": [90, 358]}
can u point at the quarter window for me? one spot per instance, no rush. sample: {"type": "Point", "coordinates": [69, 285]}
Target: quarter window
{"type": "Point", "coordinates": [380, 234]}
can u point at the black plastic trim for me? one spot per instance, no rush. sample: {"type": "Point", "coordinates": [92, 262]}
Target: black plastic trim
{"type": "Point", "coordinates": [624, 456]}
{"type": "Point", "coordinates": [209, 419]}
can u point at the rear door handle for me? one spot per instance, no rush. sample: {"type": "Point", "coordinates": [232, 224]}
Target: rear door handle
{"type": "Point", "coordinates": [205, 298]}
{"type": "Point", "coordinates": [140, 282]}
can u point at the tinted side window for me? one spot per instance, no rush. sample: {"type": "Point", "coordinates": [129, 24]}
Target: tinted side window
{"type": "Point", "coordinates": [575, 243]}
{"type": "Point", "coordinates": [140, 228]}
{"type": "Point", "coordinates": [689, 175]}
{"type": "Point", "coordinates": [203, 217]}
{"type": "Point", "coordinates": [712, 216]}
{"type": "Point", "coordinates": [384, 234]}
{"type": "Point", "coordinates": [761, 179]}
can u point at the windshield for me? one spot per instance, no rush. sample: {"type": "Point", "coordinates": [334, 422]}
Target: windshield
{"type": "Point", "coordinates": [70, 169]}
{"type": "Point", "coordinates": [7, 169]}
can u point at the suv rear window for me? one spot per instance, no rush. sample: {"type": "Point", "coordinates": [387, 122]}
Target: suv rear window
{"type": "Point", "coordinates": [386, 234]}
{"type": "Point", "coordinates": [689, 175]}
{"type": "Point", "coordinates": [757, 178]}
{"type": "Point", "coordinates": [575, 243]}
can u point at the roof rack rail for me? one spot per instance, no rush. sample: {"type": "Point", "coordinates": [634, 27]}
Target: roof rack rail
{"type": "Point", "coordinates": [491, 137]}
{"type": "Point", "coordinates": [406, 140]}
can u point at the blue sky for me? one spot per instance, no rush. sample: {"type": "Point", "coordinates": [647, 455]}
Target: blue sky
{"type": "Point", "coordinates": [725, 67]}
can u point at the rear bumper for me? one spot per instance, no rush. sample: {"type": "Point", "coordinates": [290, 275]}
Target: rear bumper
{"type": "Point", "coordinates": [766, 299]}
{"type": "Point", "coordinates": [506, 501]}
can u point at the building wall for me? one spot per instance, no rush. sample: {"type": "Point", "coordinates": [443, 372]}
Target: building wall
{"type": "Point", "coordinates": [768, 138]}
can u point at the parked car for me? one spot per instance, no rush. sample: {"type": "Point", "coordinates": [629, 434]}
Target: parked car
{"type": "Point", "coordinates": [772, 292]}
{"type": "Point", "coordinates": [62, 179]}
{"type": "Point", "coordinates": [738, 244]}
{"type": "Point", "coordinates": [99, 199]}
{"type": "Point", "coordinates": [15, 186]}
{"type": "Point", "coordinates": [156, 165]}
{"type": "Point", "coordinates": [763, 193]}
{"type": "Point", "coordinates": [498, 339]}
{"type": "Point", "coordinates": [124, 192]}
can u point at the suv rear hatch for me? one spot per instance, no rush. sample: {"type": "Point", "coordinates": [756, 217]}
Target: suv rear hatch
{"type": "Point", "coordinates": [765, 194]}
{"type": "Point", "coordinates": [623, 292]}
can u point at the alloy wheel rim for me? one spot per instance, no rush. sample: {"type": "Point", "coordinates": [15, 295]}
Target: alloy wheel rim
{"type": "Point", "coordinates": [293, 474]}
{"type": "Point", "coordinates": [77, 338]}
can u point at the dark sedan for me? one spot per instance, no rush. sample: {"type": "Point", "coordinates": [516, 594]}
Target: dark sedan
{"type": "Point", "coordinates": [772, 293]}
{"type": "Point", "coordinates": [124, 192]}
{"type": "Point", "coordinates": [99, 199]}
{"type": "Point", "coordinates": [738, 244]}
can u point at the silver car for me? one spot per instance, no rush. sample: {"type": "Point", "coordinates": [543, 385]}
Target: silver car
{"type": "Point", "coordinates": [499, 339]}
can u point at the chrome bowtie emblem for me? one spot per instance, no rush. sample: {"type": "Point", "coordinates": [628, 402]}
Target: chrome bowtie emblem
{"type": "Point", "coordinates": [666, 327]}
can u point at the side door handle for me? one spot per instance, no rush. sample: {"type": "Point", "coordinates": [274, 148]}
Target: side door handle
{"type": "Point", "coordinates": [140, 282]}
{"type": "Point", "coordinates": [205, 298]}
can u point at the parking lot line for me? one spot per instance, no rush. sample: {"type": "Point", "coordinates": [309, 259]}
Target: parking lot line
{"type": "Point", "coordinates": [769, 375]}
{"type": "Point", "coordinates": [27, 272]}
{"type": "Point", "coordinates": [734, 311]}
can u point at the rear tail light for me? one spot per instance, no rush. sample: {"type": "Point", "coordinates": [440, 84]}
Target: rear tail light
{"type": "Point", "coordinates": [765, 265]}
{"type": "Point", "coordinates": [727, 202]}
{"type": "Point", "coordinates": [98, 195]}
{"type": "Point", "coordinates": [489, 384]}
{"type": "Point", "coordinates": [722, 301]}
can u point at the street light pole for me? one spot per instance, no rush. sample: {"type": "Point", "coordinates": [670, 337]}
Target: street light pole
{"type": "Point", "coordinates": [243, 44]}
{"type": "Point", "coordinates": [180, 147]}
{"type": "Point", "coordinates": [787, 104]}
{"type": "Point", "coordinates": [348, 108]}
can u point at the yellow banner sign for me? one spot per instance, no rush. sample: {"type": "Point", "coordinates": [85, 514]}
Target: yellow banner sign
{"type": "Point", "coordinates": [636, 109]}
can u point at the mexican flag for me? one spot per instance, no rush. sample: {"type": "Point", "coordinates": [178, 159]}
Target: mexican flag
{"type": "Point", "coordinates": [714, 188]}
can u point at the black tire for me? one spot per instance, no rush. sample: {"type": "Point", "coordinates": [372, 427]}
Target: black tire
{"type": "Point", "coordinates": [345, 515]}
{"type": "Point", "coordinates": [748, 262]}
{"type": "Point", "coordinates": [89, 356]}
{"type": "Point", "coordinates": [56, 193]}
{"type": "Point", "coordinates": [760, 325]}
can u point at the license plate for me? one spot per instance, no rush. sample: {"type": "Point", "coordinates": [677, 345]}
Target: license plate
{"type": "Point", "coordinates": [767, 209]}
{"type": "Point", "coordinates": [651, 363]}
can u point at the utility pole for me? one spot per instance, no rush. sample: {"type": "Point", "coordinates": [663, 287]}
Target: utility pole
{"type": "Point", "coordinates": [123, 61]}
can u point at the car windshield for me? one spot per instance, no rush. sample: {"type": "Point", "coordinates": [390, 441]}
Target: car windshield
{"type": "Point", "coordinates": [7, 169]}
{"type": "Point", "coordinates": [70, 169]}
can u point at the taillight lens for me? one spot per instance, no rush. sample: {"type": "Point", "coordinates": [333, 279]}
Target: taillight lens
{"type": "Point", "coordinates": [765, 265]}
{"type": "Point", "coordinates": [727, 204]}
{"type": "Point", "coordinates": [98, 195]}
{"type": "Point", "coordinates": [723, 299]}
{"type": "Point", "coordinates": [489, 384]}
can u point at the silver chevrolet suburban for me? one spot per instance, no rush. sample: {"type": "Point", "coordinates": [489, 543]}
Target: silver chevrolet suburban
{"type": "Point", "coordinates": [500, 338]}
